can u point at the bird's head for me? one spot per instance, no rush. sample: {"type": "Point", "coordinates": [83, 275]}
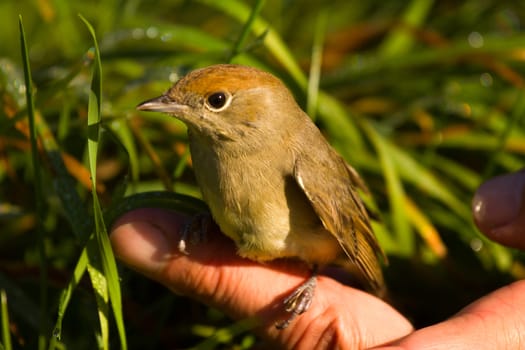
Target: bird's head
{"type": "Point", "coordinates": [229, 102]}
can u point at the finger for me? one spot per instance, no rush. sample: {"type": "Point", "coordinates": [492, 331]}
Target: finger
{"type": "Point", "coordinates": [496, 321]}
{"type": "Point", "coordinates": [499, 210]}
{"type": "Point", "coordinates": [146, 253]}
{"type": "Point", "coordinates": [213, 273]}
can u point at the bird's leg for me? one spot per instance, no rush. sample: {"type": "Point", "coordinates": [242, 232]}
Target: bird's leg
{"type": "Point", "coordinates": [195, 231]}
{"type": "Point", "coordinates": [300, 299]}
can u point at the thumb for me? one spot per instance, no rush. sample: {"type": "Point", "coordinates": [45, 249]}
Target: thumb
{"type": "Point", "coordinates": [499, 210]}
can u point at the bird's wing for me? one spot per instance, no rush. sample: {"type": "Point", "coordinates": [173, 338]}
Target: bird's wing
{"type": "Point", "coordinates": [335, 200]}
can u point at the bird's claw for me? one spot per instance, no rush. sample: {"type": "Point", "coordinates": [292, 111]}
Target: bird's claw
{"type": "Point", "coordinates": [195, 230]}
{"type": "Point", "coordinates": [299, 301]}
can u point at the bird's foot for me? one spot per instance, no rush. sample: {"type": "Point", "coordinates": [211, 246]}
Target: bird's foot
{"type": "Point", "coordinates": [194, 231]}
{"type": "Point", "coordinates": [299, 301]}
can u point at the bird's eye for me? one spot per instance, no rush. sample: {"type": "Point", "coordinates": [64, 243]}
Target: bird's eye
{"type": "Point", "coordinates": [217, 100]}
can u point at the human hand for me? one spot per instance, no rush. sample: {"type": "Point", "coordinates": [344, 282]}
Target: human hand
{"type": "Point", "coordinates": [340, 316]}
{"type": "Point", "coordinates": [496, 321]}
{"type": "Point", "coordinates": [147, 241]}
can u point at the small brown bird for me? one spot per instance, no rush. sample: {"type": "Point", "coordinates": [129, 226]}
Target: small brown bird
{"type": "Point", "coordinates": [273, 183]}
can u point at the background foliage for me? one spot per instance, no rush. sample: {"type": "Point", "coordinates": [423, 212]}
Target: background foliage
{"type": "Point", "coordinates": [424, 98]}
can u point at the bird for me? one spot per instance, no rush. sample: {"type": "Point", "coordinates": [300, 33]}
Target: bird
{"type": "Point", "coordinates": [273, 183]}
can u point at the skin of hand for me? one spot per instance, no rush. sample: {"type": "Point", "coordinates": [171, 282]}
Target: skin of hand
{"type": "Point", "coordinates": [340, 316]}
{"type": "Point", "coordinates": [147, 241]}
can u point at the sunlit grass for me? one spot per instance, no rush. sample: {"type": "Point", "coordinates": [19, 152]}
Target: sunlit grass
{"type": "Point", "coordinates": [423, 98]}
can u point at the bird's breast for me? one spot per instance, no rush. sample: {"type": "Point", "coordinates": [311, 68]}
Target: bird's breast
{"type": "Point", "coordinates": [257, 203]}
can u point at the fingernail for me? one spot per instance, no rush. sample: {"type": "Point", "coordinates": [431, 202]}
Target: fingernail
{"type": "Point", "coordinates": [498, 201]}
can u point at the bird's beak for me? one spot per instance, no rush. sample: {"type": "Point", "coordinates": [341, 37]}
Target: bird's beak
{"type": "Point", "coordinates": [164, 104]}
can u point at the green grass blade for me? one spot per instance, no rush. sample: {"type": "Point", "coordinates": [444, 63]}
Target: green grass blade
{"type": "Point", "coordinates": [6, 336]}
{"type": "Point", "coordinates": [401, 40]}
{"type": "Point", "coordinates": [241, 12]}
{"type": "Point", "coordinates": [517, 113]}
{"type": "Point", "coordinates": [395, 192]}
{"type": "Point", "coordinates": [465, 177]}
{"type": "Point", "coordinates": [98, 279]}
{"type": "Point", "coordinates": [120, 128]}
{"type": "Point", "coordinates": [111, 285]}
{"type": "Point", "coordinates": [182, 164]}
{"type": "Point", "coordinates": [340, 125]}
{"type": "Point", "coordinates": [237, 48]}
{"type": "Point", "coordinates": [413, 172]}
{"type": "Point", "coordinates": [39, 198]}
{"type": "Point", "coordinates": [65, 297]}
{"type": "Point", "coordinates": [100, 285]}
{"type": "Point", "coordinates": [312, 94]}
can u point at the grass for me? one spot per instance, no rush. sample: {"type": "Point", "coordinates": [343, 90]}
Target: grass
{"type": "Point", "coordinates": [424, 98]}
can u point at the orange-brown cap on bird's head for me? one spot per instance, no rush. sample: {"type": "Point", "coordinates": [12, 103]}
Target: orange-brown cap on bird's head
{"type": "Point", "coordinates": [227, 100]}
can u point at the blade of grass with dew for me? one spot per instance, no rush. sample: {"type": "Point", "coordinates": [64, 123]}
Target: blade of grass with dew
{"type": "Point", "coordinates": [65, 297]}
{"type": "Point", "coordinates": [100, 285]}
{"type": "Point", "coordinates": [395, 192]}
{"type": "Point", "coordinates": [6, 336]}
{"type": "Point", "coordinates": [109, 265]}
{"type": "Point", "coordinates": [39, 198]}
{"type": "Point", "coordinates": [94, 246]}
